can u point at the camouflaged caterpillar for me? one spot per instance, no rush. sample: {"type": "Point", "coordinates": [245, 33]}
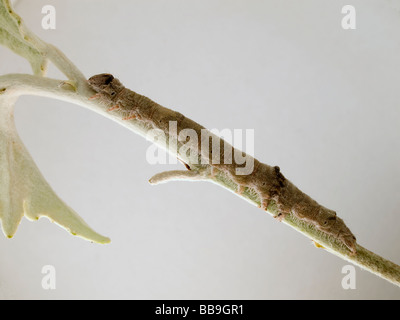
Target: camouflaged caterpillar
{"type": "Point", "coordinates": [265, 181]}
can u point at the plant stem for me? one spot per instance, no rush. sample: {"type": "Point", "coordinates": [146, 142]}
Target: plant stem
{"type": "Point", "coordinates": [19, 84]}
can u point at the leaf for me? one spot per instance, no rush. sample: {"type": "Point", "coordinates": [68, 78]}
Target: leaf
{"type": "Point", "coordinates": [24, 191]}
{"type": "Point", "coordinates": [15, 36]}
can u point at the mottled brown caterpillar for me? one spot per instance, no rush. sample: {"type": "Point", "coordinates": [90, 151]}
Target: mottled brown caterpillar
{"type": "Point", "coordinates": [267, 182]}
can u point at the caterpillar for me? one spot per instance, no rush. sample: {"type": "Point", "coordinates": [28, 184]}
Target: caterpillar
{"type": "Point", "coordinates": [267, 182]}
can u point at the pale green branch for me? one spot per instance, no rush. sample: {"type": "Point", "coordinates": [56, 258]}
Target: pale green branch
{"type": "Point", "coordinates": [32, 85]}
{"type": "Point", "coordinates": [76, 90]}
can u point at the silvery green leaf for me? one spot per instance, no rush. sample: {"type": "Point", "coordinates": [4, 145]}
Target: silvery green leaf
{"type": "Point", "coordinates": [23, 189]}
{"type": "Point", "coordinates": [15, 36]}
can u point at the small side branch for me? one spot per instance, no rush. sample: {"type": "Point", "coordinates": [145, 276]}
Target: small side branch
{"type": "Point", "coordinates": [175, 175]}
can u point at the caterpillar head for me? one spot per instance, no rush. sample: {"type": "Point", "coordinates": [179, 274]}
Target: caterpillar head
{"type": "Point", "coordinates": [105, 84]}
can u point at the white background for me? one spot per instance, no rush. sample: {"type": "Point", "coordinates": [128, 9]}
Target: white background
{"type": "Point", "coordinates": [324, 104]}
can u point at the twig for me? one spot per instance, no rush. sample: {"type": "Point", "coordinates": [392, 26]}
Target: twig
{"type": "Point", "coordinates": [78, 91]}
{"type": "Point", "coordinates": [34, 85]}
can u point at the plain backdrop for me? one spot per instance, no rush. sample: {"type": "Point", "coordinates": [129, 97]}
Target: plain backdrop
{"type": "Point", "coordinates": [324, 104]}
